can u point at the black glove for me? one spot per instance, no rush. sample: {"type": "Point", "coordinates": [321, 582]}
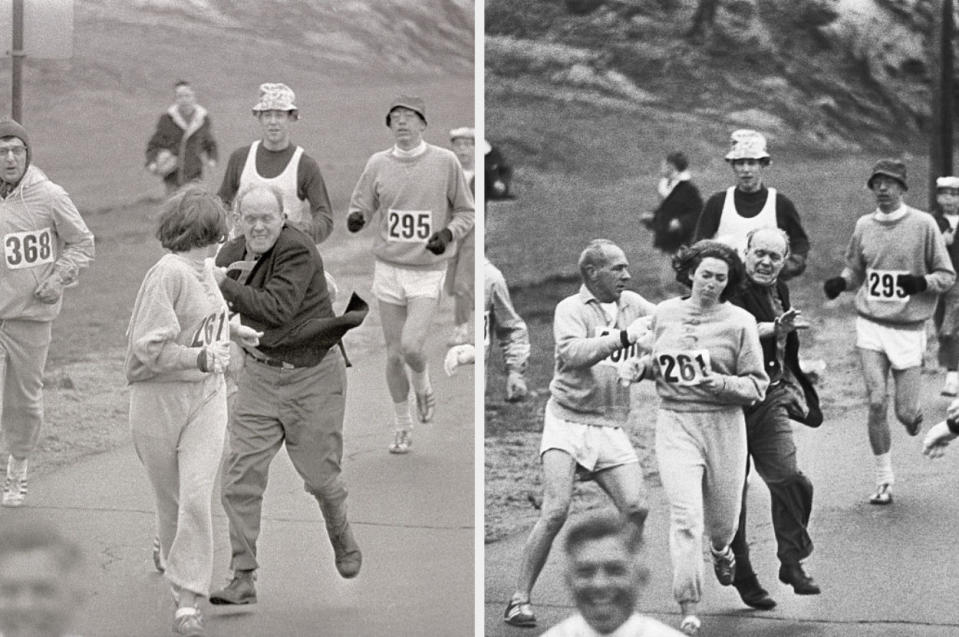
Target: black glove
{"type": "Point", "coordinates": [911, 283]}
{"type": "Point", "coordinates": [834, 287]}
{"type": "Point", "coordinates": [355, 222]}
{"type": "Point", "coordinates": [439, 240]}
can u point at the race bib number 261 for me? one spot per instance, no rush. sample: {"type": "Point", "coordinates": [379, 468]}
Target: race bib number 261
{"type": "Point", "coordinates": [28, 249]}
{"type": "Point", "coordinates": [409, 226]}
{"type": "Point", "coordinates": [683, 368]}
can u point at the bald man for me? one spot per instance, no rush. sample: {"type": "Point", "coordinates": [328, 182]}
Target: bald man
{"type": "Point", "coordinates": [790, 397]}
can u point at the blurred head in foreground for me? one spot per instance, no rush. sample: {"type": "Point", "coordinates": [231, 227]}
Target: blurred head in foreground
{"type": "Point", "coordinates": [40, 578]}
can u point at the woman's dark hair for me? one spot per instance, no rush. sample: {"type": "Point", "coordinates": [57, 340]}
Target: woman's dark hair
{"type": "Point", "coordinates": [191, 218]}
{"type": "Point", "coordinates": [688, 259]}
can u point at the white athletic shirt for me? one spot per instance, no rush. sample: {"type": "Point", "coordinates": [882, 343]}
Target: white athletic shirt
{"type": "Point", "coordinates": [296, 209]}
{"type": "Point", "coordinates": [733, 227]}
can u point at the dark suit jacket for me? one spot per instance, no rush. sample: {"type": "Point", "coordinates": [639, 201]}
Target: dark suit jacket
{"type": "Point", "coordinates": [754, 299]}
{"type": "Point", "coordinates": [285, 290]}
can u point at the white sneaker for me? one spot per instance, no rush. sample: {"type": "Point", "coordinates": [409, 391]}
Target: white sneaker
{"type": "Point", "coordinates": [14, 491]}
{"type": "Point", "coordinates": [951, 388]}
{"type": "Point", "coordinates": [402, 441]}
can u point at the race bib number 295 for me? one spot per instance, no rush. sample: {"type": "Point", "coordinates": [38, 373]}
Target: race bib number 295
{"type": "Point", "coordinates": [882, 285]}
{"type": "Point", "coordinates": [28, 249]}
{"type": "Point", "coordinates": [409, 226]}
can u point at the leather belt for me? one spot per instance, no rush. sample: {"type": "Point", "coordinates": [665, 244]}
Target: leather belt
{"type": "Point", "coordinates": [271, 362]}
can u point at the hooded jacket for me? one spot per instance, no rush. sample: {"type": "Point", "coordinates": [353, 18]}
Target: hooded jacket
{"type": "Point", "coordinates": [42, 233]}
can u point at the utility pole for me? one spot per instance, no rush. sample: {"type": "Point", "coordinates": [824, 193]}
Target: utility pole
{"type": "Point", "coordinates": [17, 54]}
{"type": "Point", "coordinates": [940, 148]}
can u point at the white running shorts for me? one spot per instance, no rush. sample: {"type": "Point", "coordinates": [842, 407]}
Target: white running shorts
{"type": "Point", "coordinates": [593, 447]}
{"type": "Point", "coordinates": [396, 285]}
{"type": "Point", "coordinates": [903, 348]}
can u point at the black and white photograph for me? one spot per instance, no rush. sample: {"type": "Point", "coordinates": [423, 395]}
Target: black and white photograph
{"type": "Point", "coordinates": [720, 278]}
{"type": "Point", "coordinates": [236, 318]}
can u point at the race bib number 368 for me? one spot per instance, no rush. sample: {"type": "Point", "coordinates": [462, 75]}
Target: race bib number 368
{"type": "Point", "coordinates": [881, 285]}
{"type": "Point", "coordinates": [28, 249]}
{"type": "Point", "coordinates": [683, 368]}
{"type": "Point", "coordinates": [409, 226]}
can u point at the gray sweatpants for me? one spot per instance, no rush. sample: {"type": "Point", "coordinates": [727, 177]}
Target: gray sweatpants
{"type": "Point", "coordinates": [23, 353]}
{"type": "Point", "coordinates": [178, 432]}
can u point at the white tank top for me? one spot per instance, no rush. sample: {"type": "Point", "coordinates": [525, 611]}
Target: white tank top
{"type": "Point", "coordinates": [296, 209]}
{"type": "Point", "coordinates": [733, 227]}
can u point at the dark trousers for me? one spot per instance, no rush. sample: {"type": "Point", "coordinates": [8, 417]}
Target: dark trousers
{"type": "Point", "coordinates": [769, 438]}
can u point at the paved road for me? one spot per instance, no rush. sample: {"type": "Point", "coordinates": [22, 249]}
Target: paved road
{"type": "Point", "coordinates": [885, 571]}
{"type": "Point", "coordinates": [412, 515]}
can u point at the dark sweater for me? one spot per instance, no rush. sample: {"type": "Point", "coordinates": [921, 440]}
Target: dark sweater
{"type": "Point", "coordinates": [755, 299]}
{"type": "Point", "coordinates": [283, 292]}
{"type": "Point", "coordinates": [684, 204]}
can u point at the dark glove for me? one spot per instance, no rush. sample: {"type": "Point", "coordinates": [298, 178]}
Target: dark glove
{"type": "Point", "coordinates": [834, 287]}
{"type": "Point", "coordinates": [439, 240]}
{"type": "Point", "coordinates": [355, 222]}
{"type": "Point", "coordinates": [911, 283]}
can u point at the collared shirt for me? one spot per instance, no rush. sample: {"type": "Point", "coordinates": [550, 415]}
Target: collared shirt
{"type": "Point", "coordinates": [636, 626]}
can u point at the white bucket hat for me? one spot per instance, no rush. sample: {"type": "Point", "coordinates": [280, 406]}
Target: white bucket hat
{"type": "Point", "coordinates": [747, 144]}
{"type": "Point", "coordinates": [275, 97]}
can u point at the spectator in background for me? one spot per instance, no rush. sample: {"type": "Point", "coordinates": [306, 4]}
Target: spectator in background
{"type": "Point", "coordinates": [729, 215]}
{"type": "Point", "coordinates": [680, 203]}
{"type": "Point", "coordinates": [500, 319]}
{"type": "Point", "coordinates": [461, 270]}
{"type": "Point", "coordinates": [605, 578]}
{"type": "Point", "coordinates": [183, 144]}
{"type": "Point", "coordinates": [897, 262]}
{"type": "Point", "coordinates": [41, 578]}
{"type": "Point", "coordinates": [498, 174]}
{"type": "Point", "coordinates": [946, 316]}
{"type": "Point", "coordinates": [46, 244]}
{"type": "Point", "coordinates": [274, 160]}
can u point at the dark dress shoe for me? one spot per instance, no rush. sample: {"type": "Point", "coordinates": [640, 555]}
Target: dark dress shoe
{"type": "Point", "coordinates": [795, 576]}
{"type": "Point", "coordinates": [754, 595]}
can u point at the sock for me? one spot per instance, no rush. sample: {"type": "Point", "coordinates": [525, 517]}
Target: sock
{"type": "Point", "coordinates": [184, 611]}
{"type": "Point", "coordinates": [420, 380]}
{"type": "Point", "coordinates": [401, 415]}
{"type": "Point", "coordinates": [16, 468]}
{"type": "Point", "coordinates": [952, 376]}
{"type": "Point", "coordinates": [884, 473]}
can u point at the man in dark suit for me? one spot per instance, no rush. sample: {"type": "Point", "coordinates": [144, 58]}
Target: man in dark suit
{"type": "Point", "coordinates": [790, 397]}
{"type": "Point", "coordinates": [292, 387]}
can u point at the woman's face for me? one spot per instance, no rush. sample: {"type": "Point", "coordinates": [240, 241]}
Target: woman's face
{"type": "Point", "coordinates": [709, 279]}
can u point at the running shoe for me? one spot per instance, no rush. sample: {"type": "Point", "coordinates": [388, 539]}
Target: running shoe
{"type": "Point", "coordinates": [14, 491]}
{"type": "Point", "coordinates": [519, 613]}
{"type": "Point", "coordinates": [188, 621]}
{"type": "Point", "coordinates": [882, 496]}
{"type": "Point", "coordinates": [951, 387]}
{"type": "Point", "coordinates": [402, 441]}
{"type": "Point", "coordinates": [426, 405]}
{"type": "Point", "coordinates": [690, 625]}
{"type": "Point", "coordinates": [724, 563]}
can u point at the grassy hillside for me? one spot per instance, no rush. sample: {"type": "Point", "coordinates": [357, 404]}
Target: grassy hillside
{"type": "Point", "coordinates": [90, 116]}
